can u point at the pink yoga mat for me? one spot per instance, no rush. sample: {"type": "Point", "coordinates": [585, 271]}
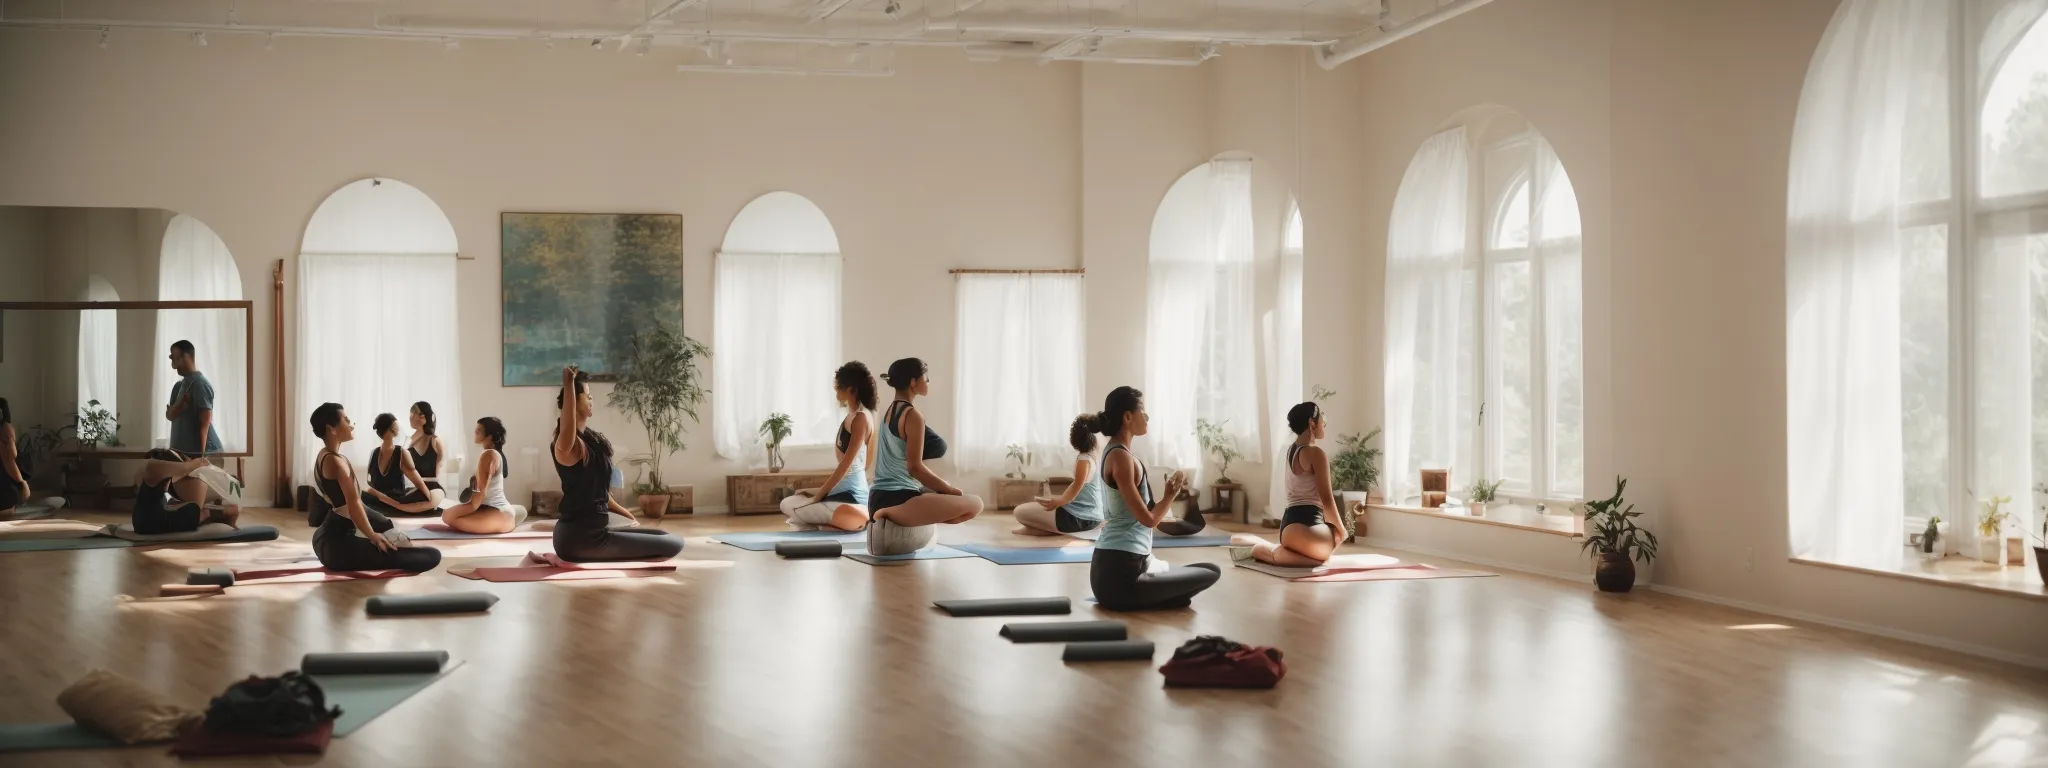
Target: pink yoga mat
{"type": "Point", "coordinates": [552, 573]}
{"type": "Point", "coordinates": [516, 534]}
{"type": "Point", "coordinates": [1391, 573]}
{"type": "Point", "coordinates": [306, 572]}
{"type": "Point", "coordinates": [552, 560]}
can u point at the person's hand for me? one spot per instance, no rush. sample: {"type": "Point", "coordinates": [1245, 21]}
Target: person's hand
{"type": "Point", "coordinates": [568, 375]}
{"type": "Point", "coordinates": [1043, 501]}
{"type": "Point", "coordinates": [949, 491]}
{"type": "Point", "coordinates": [24, 489]}
{"type": "Point", "coordinates": [809, 494]}
{"type": "Point", "coordinates": [382, 543]}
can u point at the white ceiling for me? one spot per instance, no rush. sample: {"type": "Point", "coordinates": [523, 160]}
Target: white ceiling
{"type": "Point", "coordinates": [823, 36]}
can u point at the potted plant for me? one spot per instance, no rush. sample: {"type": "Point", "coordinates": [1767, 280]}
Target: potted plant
{"type": "Point", "coordinates": [1017, 454]}
{"type": "Point", "coordinates": [1223, 447]}
{"type": "Point", "coordinates": [775, 429]}
{"type": "Point", "coordinates": [1615, 541]}
{"type": "Point", "coordinates": [97, 426]}
{"type": "Point", "coordinates": [1991, 530]}
{"type": "Point", "coordinates": [1354, 471]}
{"type": "Point", "coordinates": [661, 388]}
{"type": "Point", "coordinates": [33, 448]}
{"type": "Point", "coordinates": [1480, 494]}
{"type": "Point", "coordinates": [1930, 539]}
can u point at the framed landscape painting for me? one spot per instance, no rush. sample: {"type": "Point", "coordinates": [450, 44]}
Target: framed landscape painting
{"type": "Point", "coordinates": [577, 286]}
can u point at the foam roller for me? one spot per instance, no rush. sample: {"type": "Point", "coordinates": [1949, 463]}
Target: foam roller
{"type": "Point", "coordinates": [212, 577]}
{"type": "Point", "coordinates": [796, 549]}
{"type": "Point", "coordinates": [419, 605]}
{"type": "Point", "coordinates": [1064, 631]}
{"type": "Point", "coordinates": [1109, 650]}
{"type": "Point", "coordinates": [1008, 606]}
{"type": "Point", "coordinates": [377, 663]}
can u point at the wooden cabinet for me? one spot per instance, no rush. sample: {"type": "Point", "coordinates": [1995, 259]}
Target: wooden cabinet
{"type": "Point", "coordinates": [760, 494]}
{"type": "Point", "coordinates": [1009, 493]}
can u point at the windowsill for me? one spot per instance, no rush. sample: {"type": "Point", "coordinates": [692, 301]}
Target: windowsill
{"type": "Point", "coordinates": [1556, 525]}
{"type": "Point", "coordinates": [1952, 571]}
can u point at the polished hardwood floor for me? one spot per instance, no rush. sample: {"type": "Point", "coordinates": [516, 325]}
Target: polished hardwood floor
{"type": "Point", "coordinates": [743, 659]}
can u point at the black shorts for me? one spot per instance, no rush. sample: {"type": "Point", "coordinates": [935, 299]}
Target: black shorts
{"type": "Point", "coordinates": [1303, 514]}
{"type": "Point", "coordinates": [879, 499]}
{"type": "Point", "coordinates": [173, 518]}
{"type": "Point", "coordinates": [843, 497]}
{"type": "Point", "coordinates": [1066, 522]}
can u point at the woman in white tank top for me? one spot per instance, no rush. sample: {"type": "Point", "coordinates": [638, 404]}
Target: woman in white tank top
{"type": "Point", "coordinates": [1310, 530]}
{"type": "Point", "coordinates": [488, 511]}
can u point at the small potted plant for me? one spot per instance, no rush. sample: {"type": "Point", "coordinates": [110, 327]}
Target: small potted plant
{"type": "Point", "coordinates": [1221, 446]}
{"type": "Point", "coordinates": [97, 426]}
{"type": "Point", "coordinates": [661, 388]}
{"type": "Point", "coordinates": [1615, 541]}
{"type": "Point", "coordinates": [1991, 530]}
{"type": "Point", "coordinates": [775, 429]}
{"type": "Point", "coordinates": [1354, 472]}
{"type": "Point", "coordinates": [1481, 494]}
{"type": "Point", "coordinates": [1016, 453]}
{"type": "Point", "coordinates": [1930, 539]}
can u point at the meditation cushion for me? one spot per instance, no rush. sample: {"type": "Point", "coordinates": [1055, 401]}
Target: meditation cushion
{"type": "Point", "coordinates": [122, 708]}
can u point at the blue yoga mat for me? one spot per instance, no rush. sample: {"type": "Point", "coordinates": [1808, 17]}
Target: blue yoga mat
{"type": "Point", "coordinates": [934, 552]}
{"type": "Point", "coordinates": [1028, 555]}
{"type": "Point", "coordinates": [36, 737]}
{"type": "Point", "coordinates": [764, 541]}
{"type": "Point", "coordinates": [1174, 542]}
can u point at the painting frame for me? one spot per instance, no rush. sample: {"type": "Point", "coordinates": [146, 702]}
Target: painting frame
{"type": "Point", "coordinates": [573, 285]}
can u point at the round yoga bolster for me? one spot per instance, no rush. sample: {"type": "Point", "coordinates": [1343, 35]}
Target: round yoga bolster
{"type": "Point", "coordinates": [212, 577]}
{"type": "Point", "coordinates": [803, 549]}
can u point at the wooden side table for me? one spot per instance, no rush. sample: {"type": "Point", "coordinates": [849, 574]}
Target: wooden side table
{"type": "Point", "coordinates": [755, 494]}
{"type": "Point", "coordinates": [1009, 492]}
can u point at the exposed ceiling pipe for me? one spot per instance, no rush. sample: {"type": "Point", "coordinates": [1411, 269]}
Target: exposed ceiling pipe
{"type": "Point", "coordinates": [360, 33]}
{"type": "Point", "coordinates": [986, 52]}
{"type": "Point", "coordinates": [1330, 55]}
{"type": "Point", "coordinates": [743, 69]}
{"type": "Point", "coordinates": [1069, 48]}
{"type": "Point", "coordinates": [826, 8]}
{"type": "Point", "coordinates": [657, 17]}
{"type": "Point", "coordinates": [1039, 27]}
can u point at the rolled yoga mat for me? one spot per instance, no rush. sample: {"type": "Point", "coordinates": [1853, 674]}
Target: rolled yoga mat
{"type": "Point", "coordinates": [1064, 631]}
{"type": "Point", "coordinates": [216, 577]}
{"type": "Point", "coordinates": [803, 549]}
{"type": "Point", "coordinates": [377, 663]}
{"type": "Point", "coordinates": [421, 605]}
{"type": "Point", "coordinates": [1008, 606]}
{"type": "Point", "coordinates": [1109, 650]}
{"type": "Point", "coordinates": [36, 737]}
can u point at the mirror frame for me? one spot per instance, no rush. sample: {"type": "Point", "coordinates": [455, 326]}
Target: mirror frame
{"type": "Point", "coordinates": [248, 350]}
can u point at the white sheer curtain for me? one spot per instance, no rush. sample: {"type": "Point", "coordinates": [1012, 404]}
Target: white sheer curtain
{"type": "Point", "coordinates": [1199, 352]}
{"type": "Point", "coordinates": [1843, 400]}
{"type": "Point", "coordinates": [360, 322]}
{"type": "Point", "coordinates": [196, 266]}
{"type": "Point", "coordinates": [775, 348]}
{"type": "Point", "coordinates": [1018, 366]}
{"type": "Point", "coordinates": [1283, 358]}
{"type": "Point", "coordinates": [1559, 245]}
{"type": "Point", "coordinates": [1427, 247]}
{"type": "Point", "coordinates": [98, 335]}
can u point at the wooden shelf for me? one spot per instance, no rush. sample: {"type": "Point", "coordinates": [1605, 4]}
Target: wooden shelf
{"type": "Point", "coordinates": [1560, 529]}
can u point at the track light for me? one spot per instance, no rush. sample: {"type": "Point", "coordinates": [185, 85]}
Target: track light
{"type": "Point", "coordinates": [646, 43]}
{"type": "Point", "coordinates": [450, 44]}
{"type": "Point", "coordinates": [1209, 52]}
{"type": "Point", "coordinates": [269, 41]}
{"type": "Point", "coordinates": [199, 38]}
{"type": "Point", "coordinates": [104, 32]}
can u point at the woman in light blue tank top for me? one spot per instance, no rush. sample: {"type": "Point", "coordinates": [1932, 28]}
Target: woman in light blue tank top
{"type": "Point", "coordinates": [1080, 508]}
{"type": "Point", "coordinates": [841, 503]}
{"type": "Point", "coordinates": [908, 497]}
{"type": "Point", "coordinates": [1119, 572]}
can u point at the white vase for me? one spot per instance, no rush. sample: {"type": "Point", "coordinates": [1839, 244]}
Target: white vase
{"type": "Point", "coordinates": [1352, 497]}
{"type": "Point", "coordinates": [1991, 549]}
{"type": "Point", "coordinates": [1478, 508]}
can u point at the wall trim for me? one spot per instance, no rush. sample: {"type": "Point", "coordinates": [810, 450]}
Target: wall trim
{"type": "Point", "coordinates": [2035, 662]}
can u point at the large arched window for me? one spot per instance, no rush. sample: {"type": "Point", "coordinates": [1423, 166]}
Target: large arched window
{"type": "Point", "coordinates": [98, 337]}
{"type": "Point", "coordinates": [1199, 353]}
{"type": "Point", "coordinates": [195, 265]}
{"type": "Point", "coordinates": [376, 319]}
{"type": "Point", "coordinates": [1484, 352]}
{"type": "Point", "coordinates": [776, 326]}
{"type": "Point", "coordinates": [1917, 286]}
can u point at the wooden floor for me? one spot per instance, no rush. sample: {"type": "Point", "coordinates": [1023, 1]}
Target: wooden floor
{"type": "Point", "coordinates": [742, 659]}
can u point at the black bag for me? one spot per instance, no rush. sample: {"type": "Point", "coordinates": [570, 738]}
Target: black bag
{"type": "Point", "coordinates": [286, 705]}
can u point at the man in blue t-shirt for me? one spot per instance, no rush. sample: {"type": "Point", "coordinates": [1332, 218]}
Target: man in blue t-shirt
{"type": "Point", "coordinates": [191, 406]}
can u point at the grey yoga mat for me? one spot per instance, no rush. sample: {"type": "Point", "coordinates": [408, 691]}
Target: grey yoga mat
{"type": "Point", "coordinates": [1064, 631]}
{"type": "Point", "coordinates": [1109, 650]}
{"type": "Point", "coordinates": [421, 605]}
{"type": "Point", "coordinates": [378, 663]}
{"type": "Point", "coordinates": [1008, 606]}
{"type": "Point", "coordinates": [365, 685]}
{"type": "Point", "coordinates": [35, 737]}
{"type": "Point", "coordinates": [799, 549]}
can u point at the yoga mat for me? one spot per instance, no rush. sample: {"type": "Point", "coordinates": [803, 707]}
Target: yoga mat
{"type": "Point", "coordinates": [1338, 563]}
{"type": "Point", "coordinates": [38, 530]}
{"type": "Point", "coordinates": [765, 541]}
{"type": "Point", "coordinates": [933, 552]}
{"type": "Point", "coordinates": [307, 573]}
{"type": "Point", "coordinates": [374, 663]}
{"type": "Point", "coordinates": [205, 742]}
{"type": "Point", "coordinates": [1028, 555]}
{"type": "Point", "coordinates": [422, 605]}
{"type": "Point", "coordinates": [29, 512]}
{"type": "Point", "coordinates": [49, 545]}
{"type": "Point", "coordinates": [365, 695]}
{"type": "Point", "coordinates": [1064, 631]}
{"type": "Point", "coordinates": [439, 532]}
{"type": "Point", "coordinates": [35, 737]}
{"type": "Point", "coordinates": [209, 533]}
{"type": "Point", "coordinates": [1008, 606]}
{"type": "Point", "coordinates": [1109, 650]}
{"type": "Point", "coordinates": [552, 560]}
{"type": "Point", "coordinates": [1396, 574]}
{"type": "Point", "coordinates": [1176, 542]}
{"type": "Point", "coordinates": [516, 574]}
{"type": "Point", "coordinates": [802, 549]}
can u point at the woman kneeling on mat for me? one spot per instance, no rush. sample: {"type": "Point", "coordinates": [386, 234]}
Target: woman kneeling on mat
{"type": "Point", "coordinates": [583, 459]}
{"type": "Point", "coordinates": [488, 511]}
{"type": "Point", "coordinates": [393, 478]}
{"type": "Point", "coordinates": [909, 498]}
{"type": "Point", "coordinates": [14, 490]}
{"type": "Point", "coordinates": [1309, 528]}
{"type": "Point", "coordinates": [842, 502]}
{"type": "Point", "coordinates": [168, 499]}
{"type": "Point", "coordinates": [1080, 508]}
{"type": "Point", "coordinates": [1123, 553]}
{"type": "Point", "coordinates": [352, 537]}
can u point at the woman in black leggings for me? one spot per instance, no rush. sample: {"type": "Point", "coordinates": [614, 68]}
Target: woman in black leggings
{"type": "Point", "coordinates": [1120, 571]}
{"type": "Point", "coordinates": [169, 500]}
{"type": "Point", "coordinates": [352, 537]}
{"type": "Point", "coordinates": [583, 459]}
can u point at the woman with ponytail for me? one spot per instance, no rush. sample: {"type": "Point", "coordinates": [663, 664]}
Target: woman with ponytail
{"type": "Point", "coordinates": [1080, 508]}
{"type": "Point", "coordinates": [1309, 528]}
{"type": "Point", "coordinates": [909, 498]}
{"type": "Point", "coordinates": [488, 511]}
{"type": "Point", "coordinates": [395, 486]}
{"type": "Point", "coordinates": [426, 449]}
{"type": "Point", "coordinates": [583, 461]}
{"type": "Point", "coordinates": [1120, 572]}
{"type": "Point", "coordinates": [841, 502]}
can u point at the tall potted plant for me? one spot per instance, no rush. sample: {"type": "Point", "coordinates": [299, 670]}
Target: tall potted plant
{"type": "Point", "coordinates": [775, 429]}
{"type": "Point", "coordinates": [661, 388]}
{"type": "Point", "coordinates": [1615, 541]}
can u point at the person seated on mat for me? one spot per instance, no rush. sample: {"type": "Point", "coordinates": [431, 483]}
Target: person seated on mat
{"type": "Point", "coordinates": [909, 498]}
{"type": "Point", "coordinates": [1080, 508]}
{"type": "Point", "coordinates": [583, 459]}
{"type": "Point", "coordinates": [393, 477]}
{"type": "Point", "coordinates": [1309, 528]}
{"type": "Point", "coordinates": [14, 489]}
{"type": "Point", "coordinates": [169, 500]}
{"type": "Point", "coordinates": [426, 450]}
{"type": "Point", "coordinates": [489, 511]}
{"type": "Point", "coordinates": [1120, 570]}
{"type": "Point", "coordinates": [352, 537]}
{"type": "Point", "coordinates": [841, 502]}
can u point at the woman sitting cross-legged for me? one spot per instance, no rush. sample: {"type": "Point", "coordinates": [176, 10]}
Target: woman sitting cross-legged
{"type": "Point", "coordinates": [909, 498]}
{"type": "Point", "coordinates": [842, 501]}
{"type": "Point", "coordinates": [1121, 571]}
{"type": "Point", "coordinates": [488, 511]}
{"type": "Point", "coordinates": [352, 537]}
{"type": "Point", "coordinates": [1309, 528]}
{"type": "Point", "coordinates": [394, 487]}
{"type": "Point", "coordinates": [1080, 508]}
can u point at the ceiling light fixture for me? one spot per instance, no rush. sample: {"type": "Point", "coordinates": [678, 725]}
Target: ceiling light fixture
{"type": "Point", "coordinates": [597, 42]}
{"type": "Point", "coordinates": [104, 32]}
{"type": "Point", "coordinates": [451, 44]}
{"type": "Point", "coordinates": [1209, 52]}
{"type": "Point", "coordinates": [199, 38]}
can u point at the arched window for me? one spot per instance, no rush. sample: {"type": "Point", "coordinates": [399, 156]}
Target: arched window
{"type": "Point", "coordinates": [1485, 371]}
{"type": "Point", "coordinates": [1283, 354]}
{"type": "Point", "coordinates": [1917, 288]}
{"type": "Point", "coordinates": [776, 325]}
{"type": "Point", "coordinates": [195, 265]}
{"type": "Point", "coordinates": [376, 316]}
{"type": "Point", "coordinates": [98, 337]}
{"type": "Point", "coordinates": [1199, 352]}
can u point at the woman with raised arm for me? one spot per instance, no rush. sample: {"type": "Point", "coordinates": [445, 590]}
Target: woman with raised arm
{"type": "Point", "coordinates": [1120, 572]}
{"type": "Point", "coordinates": [487, 511]}
{"type": "Point", "coordinates": [1080, 508]}
{"type": "Point", "coordinates": [583, 460]}
{"type": "Point", "coordinates": [352, 537]}
{"type": "Point", "coordinates": [909, 498]}
{"type": "Point", "coordinates": [1310, 530]}
{"type": "Point", "coordinates": [168, 499]}
{"type": "Point", "coordinates": [393, 477]}
{"type": "Point", "coordinates": [841, 502]}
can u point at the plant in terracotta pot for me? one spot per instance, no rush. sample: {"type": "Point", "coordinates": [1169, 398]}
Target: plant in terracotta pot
{"type": "Point", "coordinates": [1615, 540]}
{"type": "Point", "coordinates": [1481, 494]}
{"type": "Point", "coordinates": [775, 429]}
{"type": "Point", "coordinates": [661, 388]}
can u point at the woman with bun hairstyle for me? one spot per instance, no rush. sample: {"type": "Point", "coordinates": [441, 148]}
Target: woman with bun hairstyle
{"type": "Point", "coordinates": [583, 461]}
{"type": "Point", "coordinates": [394, 480]}
{"type": "Point", "coordinates": [908, 497]}
{"type": "Point", "coordinates": [1309, 528]}
{"type": "Point", "coordinates": [1080, 508]}
{"type": "Point", "coordinates": [841, 502]}
{"type": "Point", "coordinates": [487, 511]}
{"type": "Point", "coordinates": [1120, 571]}
{"type": "Point", "coordinates": [350, 536]}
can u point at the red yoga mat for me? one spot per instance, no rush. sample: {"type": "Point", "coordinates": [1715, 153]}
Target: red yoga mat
{"type": "Point", "coordinates": [552, 560]}
{"type": "Point", "coordinates": [198, 741]}
{"type": "Point", "coordinates": [305, 573]}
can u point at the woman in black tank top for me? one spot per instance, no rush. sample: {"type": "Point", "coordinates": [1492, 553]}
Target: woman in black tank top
{"type": "Point", "coordinates": [352, 537]}
{"type": "Point", "coordinates": [583, 460]}
{"type": "Point", "coordinates": [393, 478]}
{"type": "Point", "coordinates": [156, 511]}
{"type": "Point", "coordinates": [425, 447]}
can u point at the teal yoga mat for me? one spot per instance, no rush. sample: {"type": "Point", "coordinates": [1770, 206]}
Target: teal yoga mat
{"type": "Point", "coordinates": [859, 552]}
{"type": "Point", "coordinates": [363, 697]}
{"type": "Point", "coordinates": [52, 545]}
{"type": "Point", "coordinates": [765, 541]}
{"type": "Point", "coordinates": [36, 737]}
